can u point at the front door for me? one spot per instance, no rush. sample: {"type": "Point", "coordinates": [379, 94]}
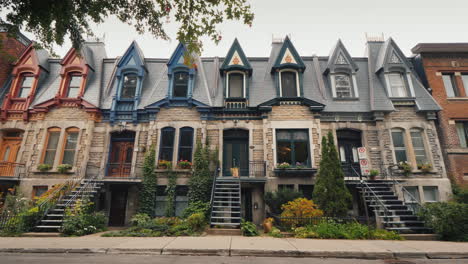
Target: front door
{"type": "Point", "coordinates": [246, 204]}
{"type": "Point", "coordinates": [8, 154]}
{"type": "Point", "coordinates": [349, 156]}
{"type": "Point", "coordinates": [118, 206]}
{"type": "Point", "coordinates": [120, 159]}
{"type": "Point", "coordinates": [236, 155]}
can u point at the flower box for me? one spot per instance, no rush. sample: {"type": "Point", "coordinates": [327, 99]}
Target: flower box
{"type": "Point", "coordinates": [295, 172]}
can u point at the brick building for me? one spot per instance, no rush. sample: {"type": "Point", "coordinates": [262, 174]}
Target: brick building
{"type": "Point", "coordinates": [444, 69]}
{"type": "Point", "coordinates": [101, 115]}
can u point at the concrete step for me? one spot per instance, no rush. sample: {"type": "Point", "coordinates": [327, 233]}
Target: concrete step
{"type": "Point", "coordinates": [223, 232]}
{"type": "Point", "coordinates": [420, 237]}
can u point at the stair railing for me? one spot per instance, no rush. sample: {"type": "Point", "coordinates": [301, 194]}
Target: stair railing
{"type": "Point", "coordinates": [88, 186]}
{"type": "Point", "coordinates": [413, 204]}
{"type": "Point", "coordinates": [213, 186]}
{"type": "Point", "coordinates": [375, 197]}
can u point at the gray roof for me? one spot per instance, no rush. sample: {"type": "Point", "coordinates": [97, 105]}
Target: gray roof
{"type": "Point", "coordinates": [208, 89]}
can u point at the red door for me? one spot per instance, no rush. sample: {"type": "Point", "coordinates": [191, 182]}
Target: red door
{"type": "Point", "coordinates": [120, 159]}
{"type": "Point", "coordinates": [8, 153]}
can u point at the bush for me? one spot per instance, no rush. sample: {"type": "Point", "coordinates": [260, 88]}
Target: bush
{"type": "Point", "coordinates": [141, 220]}
{"type": "Point", "coordinates": [62, 168]}
{"type": "Point", "coordinates": [249, 228]}
{"type": "Point", "coordinates": [299, 210]}
{"type": "Point", "coordinates": [448, 219]}
{"type": "Point", "coordinates": [460, 193]}
{"type": "Point", "coordinates": [275, 232]}
{"type": "Point", "coordinates": [275, 200]}
{"type": "Point", "coordinates": [196, 222]}
{"type": "Point", "coordinates": [197, 207]}
{"type": "Point", "coordinates": [80, 220]}
{"type": "Point", "coordinates": [44, 167]}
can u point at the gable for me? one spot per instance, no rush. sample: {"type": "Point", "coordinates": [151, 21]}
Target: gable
{"type": "Point", "coordinates": [340, 60]}
{"type": "Point", "coordinates": [288, 57]}
{"type": "Point", "coordinates": [236, 59]}
{"type": "Point", "coordinates": [179, 60]}
{"type": "Point", "coordinates": [133, 56]}
{"type": "Point", "coordinates": [391, 57]}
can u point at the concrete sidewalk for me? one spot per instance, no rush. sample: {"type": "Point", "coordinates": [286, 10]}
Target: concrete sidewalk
{"type": "Point", "coordinates": [238, 246]}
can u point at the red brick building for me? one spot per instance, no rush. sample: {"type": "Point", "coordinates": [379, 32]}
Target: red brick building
{"type": "Point", "coordinates": [10, 50]}
{"type": "Point", "coordinates": [444, 69]}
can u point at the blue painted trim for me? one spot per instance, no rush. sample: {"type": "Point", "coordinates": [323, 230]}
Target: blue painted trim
{"type": "Point", "coordinates": [236, 47]}
{"type": "Point", "coordinates": [174, 67]}
{"type": "Point", "coordinates": [299, 65]}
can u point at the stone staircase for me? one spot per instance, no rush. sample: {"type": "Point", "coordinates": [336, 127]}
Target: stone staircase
{"type": "Point", "coordinates": [393, 213]}
{"type": "Point", "coordinates": [226, 205]}
{"type": "Point", "coordinates": [53, 219]}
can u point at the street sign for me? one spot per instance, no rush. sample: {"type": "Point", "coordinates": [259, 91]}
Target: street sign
{"type": "Point", "coordinates": [364, 163]}
{"type": "Point", "coordinates": [362, 153]}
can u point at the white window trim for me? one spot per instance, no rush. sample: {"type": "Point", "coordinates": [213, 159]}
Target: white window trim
{"type": "Point", "coordinates": [244, 92]}
{"type": "Point", "coordinates": [297, 82]}
{"type": "Point", "coordinates": [406, 80]}
{"type": "Point", "coordinates": [353, 83]}
{"type": "Point", "coordinates": [293, 127]}
{"type": "Point", "coordinates": [175, 152]}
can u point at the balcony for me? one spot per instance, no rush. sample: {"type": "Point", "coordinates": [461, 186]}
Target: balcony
{"type": "Point", "coordinates": [12, 169]}
{"type": "Point", "coordinates": [235, 103]}
{"type": "Point", "coordinates": [254, 171]}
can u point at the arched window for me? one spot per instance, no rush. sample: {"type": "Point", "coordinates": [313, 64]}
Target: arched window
{"type": "Point", "coordinates": [74, 85]}
{"type": "Point", "coordinates": [53, 135]}
{"type": "Point", "coordinates": [25, 85]}
{"type": "Point", "coordinates": [185, 144]}
{"type": "Point", "coordinates": [69, 149]}
{"type": "Point", "coordinates": [397, 83]}
{"type": "Point", "coordinates": [180, 84]}
{"type": "Point", "coordinates": [235, 85]}
{"type": "Point", "coordinates": [166, 145]}
{"type": "Point", "coordinates": [418, 146]}
{"type": "Point", "coordinates": [288, 81]}
{"type": "Point", "coordinates": [343, 86]}
{"type": "Point", "coordinates": [399, 145]}
{"type": "Point", "coordinates": [129, 86]}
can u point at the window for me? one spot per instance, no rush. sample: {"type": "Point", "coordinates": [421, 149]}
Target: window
{"type": "Point", "coordinates": [397, 85]}
{"type": "Point", "coordinates": [418, 146]}
{"type": "Point", "coordinates": [462, 131]}
{"type": "Point", "coordinates": [74, 85]}
{"type": "Point", "coordinates": [411, 194]}
{"type": "Point", "coordinates": [53, 135]}
{"type": "Point", "coordinates": [465, 82]}
{"type": "Point", "coordinates": [236, 85]}
{"type": "Point", "coordinates": [71, 139]}
{"type": "Point", "coordinates": [160, 200]}
{"type": "Point", "coordinates": [288, 84]}
{"type": "Point", "coordinates": [450, 84]}
{"type": "Point", "coordinates": [180, 84]}
{"type": "Point", "coordinates": [167, 143]}
{"type": "Point", "coordinates": [292, 146]}
{"type": "Point", "coordinates": [39, 190]}
{"type": "Point", "coordinates": [289, 187]}
{"type": "Point", "coordinates": [431, 194]}
{"type": "Point", "coordinates": [25, 87]}
{"type": "Point", "coordinates": [307, 190]}
{"type": "Point", "coordinates": [181, 200]}
{"type": "Point", "coordinates": [129, 86]}
{"type": "Point", "coordinates": [343, 86]}
{"type": "Point", "coordinates": [185, 144]}
{"type": "Point", "coordinates": [398, 138]}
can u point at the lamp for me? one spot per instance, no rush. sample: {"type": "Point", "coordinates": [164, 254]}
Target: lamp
{"type": "Point", "coordinates": [255, 205]}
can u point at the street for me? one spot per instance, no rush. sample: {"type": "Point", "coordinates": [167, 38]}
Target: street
{"type": "Point", "coordinates": [158, 259]}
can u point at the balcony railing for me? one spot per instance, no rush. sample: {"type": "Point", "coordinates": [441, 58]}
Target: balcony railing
{"type": "Point", "coordinates": [254, 169]}
{"type": "Point", "coordinates": [11, 169]}
{"type": "Point", "coordinates": [235, 103]}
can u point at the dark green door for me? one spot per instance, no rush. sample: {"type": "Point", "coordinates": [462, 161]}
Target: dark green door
{"type": "Point", "coordinates": [236, 155]}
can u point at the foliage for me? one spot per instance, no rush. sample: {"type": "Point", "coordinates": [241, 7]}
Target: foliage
{"type": "Point", "coordinates": [164, 164]}
{"type": "Point", "coordinates": [147, 196]}
{"type": "Point", "coordinates": [301, 207]}
{"type": "Point", "coordinates": [62, 168]}
{"type": "Point", "coordinates": [276, 199]}
{"type": "Point", "coordinates": [80, 220]}
{"type": "Point", "coordinates": [249, 228]}
{"type": "Point", "coordinates": [330, 229]}
{"type": "Point", "coordinates": [405, 167]}
{"type": "Point", "coordinates": [330, 192]}
{"type": "Point", "coordinates": [44, 167]}
{"type": "Point", "coordinates": [200, 183]}
{"type": "Point", "coordinates": [275, 232]}
{"type": "Point", "coordinates": [425, 167]}
{"type": "Point", "coordinates": [52, 21]}
{"type": "Point", "coordinates": [284, 165]}
{"type": "Point", "coordinates": [460, 193]}
{"type": "Point", "coordinates": [184, 164]}
{"type": "Point", "coordinates": [197, 207]}
{"type": "Point", "coordinates": [374, 173]}
{"type": "Point", "coordinates": [171, 193]}
{"type": "Point", "coordinates": [448, 219]}
{"type": "Point", "coordinates": [196, 222]}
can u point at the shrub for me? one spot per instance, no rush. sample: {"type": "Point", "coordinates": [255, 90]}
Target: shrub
{"type": "Point", "coordinates": [304, 232]}
{"type": "Point", "coordinates": [80, 220]}
{"type": "Point", "coordinates": [147, 197]}
{"type": "Point", "coordinates": [275, 200]}
{"type": "Point", "coordinates": [62, 168]}
{"type": "Point", "coordinates": [448, 219]}
{"type": "Point", "coordinates": [44, 167]}
{"type": "Point", "coordinates": [284, 165]}
{"type": "Point", "coordinates": [460, 193]}
{"type": "Point", "coordinates": [275, 232]}
{"type": "Point", "coordinates": [385, 235]}
{"type": "Point", "coordinates": [197, 207]}
{"type": "Point", "coordinates": [184, 164]}
{"type": "Point", "coordinates": [200, 183]}
{"type": "Point", "coordinates": [249, 228]}
{"type": "Point", "coordinates": [297, 210]}
{"type": "Point", "coordinates": [164, 164]}
{"type": "Point", "coordinates": [140, 220]}
{"type": "Point", "coordinates": [196, 222]}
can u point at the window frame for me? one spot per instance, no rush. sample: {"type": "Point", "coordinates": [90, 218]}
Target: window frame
{"type": "Point", "coordinates": [462, 133]}
{"type": "Point", "coordinates": [161, 147]}
{"type": "Point", "coordinates": [403, 148]}
{"type": "Point", "coordinates": [35, 189]}
{"type": "Point", "coordinates": [174, 83]}
{"type": "Point", "coordinates": [69, 80]}
{"type": "Point", "coordinates": [292, 141]}
{"type": "Point", "coordinates": [335, 86]}
{"type": "Point", "coordinates": [453, 82]}
{"type": "Point", "coordinates": [405, 83]}
{"type": "Point", "coordinates": [46, 144]}
{"type": "Point", "coordinates": [423, 147]}
{"type": "Point", "coordinates": [128, 75]}
{"type": "Point", "coordinates": [280, 81]}
{"type": "Point", "coordinates": [464, 79]}
{"type": "Point", "coordinates": [64, 144]}
{"type": "Point", "coordinates": [228, 84]}
{"type": "Point", "coordinates": [436, 192]}
{"type": "Point", "coordinates": [23, 76]}
{"type": "Point", "coordinates": [180, 147]}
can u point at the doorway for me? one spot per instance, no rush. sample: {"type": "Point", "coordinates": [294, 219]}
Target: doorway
{"type": "Point", "coordinates": [121, 154]}
{"type": "Point", "coordinates": [11, 143]}
{"type": "Point", "coordinates": [118, 205]}
{"type": "Point", "coordinates": [348, 143]}
{"type": "Point", "coordinates": [246, 204]}
{"type": "Point", "coordinates": [236, 151]}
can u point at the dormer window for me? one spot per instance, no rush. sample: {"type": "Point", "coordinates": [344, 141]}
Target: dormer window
{"type": "Point", "coordinates": [288, 82]}
{"type": "Point", "coordinates": [74, 85]}
{"type": "Point", "coordinates": [397, 84]}
{"type": "Point", "coordinates": [343, 86]}
{"type": "Point", "coordinates": [129, 86]}
{"type": "Point", "coordinates": [180, 84]}
{"type": "Point", "coordinates": [235, 85]}
{"type": "Point", "coordinates": [26, 85]}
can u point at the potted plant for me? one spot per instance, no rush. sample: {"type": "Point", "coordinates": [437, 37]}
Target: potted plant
{"type": "Point", "coordinates": [184, 164]}
{"type": "Point", "coordinates": [425, 167]}
{"type": "Point", "coordinates": [373, 174]}
{"type": "Point", "coordinates": [268, 224]}
{"type": "Point", "coordinates": [405, 167]}
{"type": "Point", "coordinates": [235, 172]}
{"type": "Point", "coordinates": [63, 168]}
{"type": "Point", "coordinates": [164, 164]}
{"type": "Point", "coordinates": [283, 165]}
{"type": "Point", "coordinates": [44, 167]}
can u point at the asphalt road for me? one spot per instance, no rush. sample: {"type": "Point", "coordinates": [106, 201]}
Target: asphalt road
{"type": "Point", "coordinates": [157, 259]}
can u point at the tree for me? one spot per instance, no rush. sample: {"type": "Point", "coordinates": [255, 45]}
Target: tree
{"type": "Point", "coordinates": [53, 20]}
{"type": "Point", "coordinates": [149, 184]}
{"type": "Point", "coordinates": [330, 192]}
{"type": "Point", "coordinates": [200, 183]}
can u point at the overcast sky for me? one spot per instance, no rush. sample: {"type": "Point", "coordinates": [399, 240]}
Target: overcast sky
{"type": "Point", "coordinates": [314, 26]}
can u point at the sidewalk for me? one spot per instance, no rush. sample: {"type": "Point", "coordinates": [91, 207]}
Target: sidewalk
{"type": "Point", "coordinates": [237, 246]}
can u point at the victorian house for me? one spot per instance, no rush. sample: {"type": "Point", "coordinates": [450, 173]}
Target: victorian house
{"type": "Point", "coordinates": [101, 115]}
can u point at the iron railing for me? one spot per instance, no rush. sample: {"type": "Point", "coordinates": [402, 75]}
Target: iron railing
{"type": "Point", "coordinates": [213, 185]}
{"type": "Point", "coordinates": [257, 168]}
{"type": "Point", "coordinates": [408, 198]}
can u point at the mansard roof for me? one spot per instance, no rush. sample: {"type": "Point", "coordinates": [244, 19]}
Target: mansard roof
{"type": "Point", "coordinates": [288, 57]}
{"type": "Point", "coordinates": [133, 58]}
{"type": "Point", "coordinates": [236, 59]}
{"type": "Point", "coordinates": [340, 60]}
{"type": "Point", "coordinates": [390, 56]}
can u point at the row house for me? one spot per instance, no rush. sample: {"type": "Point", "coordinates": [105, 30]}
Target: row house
{"type": "Point", "coordinates": [101, 115]}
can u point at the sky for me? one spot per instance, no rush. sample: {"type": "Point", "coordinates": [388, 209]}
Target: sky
{"type": "Point", "coordinates": [314, 27]}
